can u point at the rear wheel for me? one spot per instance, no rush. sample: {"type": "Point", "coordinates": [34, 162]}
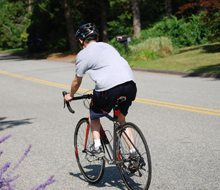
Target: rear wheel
{"type": "Point", "coordinates": [91, 167]}
{"type": "Point", "coordinates": [135, 172]}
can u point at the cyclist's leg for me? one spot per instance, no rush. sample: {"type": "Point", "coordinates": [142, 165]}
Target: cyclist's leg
{"type": "Point", "coordinates": [129, 90]}
{"type": "Point", "coordinates": [121, 120]}
{"type": "Point", "coordinates": [95, 127]}
{"type": "Point", "coordinates": [96, 148]}
{"type": "Point", "coordinates": [95, 112]}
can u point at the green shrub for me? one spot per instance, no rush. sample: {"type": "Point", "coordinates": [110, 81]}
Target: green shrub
{"type": "Point", "coordinates": [214, 25]}
{"type": "Point", "coordinates": [160, 45]}
{"type": "Point", "coordinates": [24, 38]}
{"type": "Point", "coordinates": [121, 26]}
{"type": "Point", "coordinates": [182, 32]}
{"type": "Point", "coordinates": [145, 54]}
{"type": "Point", "coordinates": [13, 21]}
{"type": "Point", "coordinates": [151, 48]}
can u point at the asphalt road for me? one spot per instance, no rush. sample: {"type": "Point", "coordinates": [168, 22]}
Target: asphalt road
{"type": "Point", "coordinates": [179, 116]}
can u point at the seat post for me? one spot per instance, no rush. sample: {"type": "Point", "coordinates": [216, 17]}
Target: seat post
{"type": "Point", "coordinates": [116, 125]}
{"type": "Point", "coordinates": [116, 113]}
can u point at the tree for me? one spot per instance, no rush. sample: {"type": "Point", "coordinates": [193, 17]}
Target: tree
{"type": "Point", "coordinates": [29, 6]}
{"type": "Point", "coordinates": [168, 8]}
{"type": "Point", "coordinates": [211, 13]}
{"type": "Point", "coordinates": [69, 26]}
{"type": "Point", "coordinates": [85, 11]}
{"type": "Point", "coordinates": [13, 21]}
{"type": "Point", "coordinates": [136, 17]}
{"type": "Point", "coordinates": [103, 21]}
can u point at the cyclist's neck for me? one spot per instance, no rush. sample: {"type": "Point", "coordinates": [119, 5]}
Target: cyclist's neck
{"type": "Point", "coordinates": [86, 44]}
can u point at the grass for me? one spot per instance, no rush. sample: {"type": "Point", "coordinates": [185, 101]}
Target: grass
{"type": "Point", "coordinates": [14, 51]}
{"type": "Point", "coordinates": [25, 53]}
{"type": "Point", "coordinates": [200, 59]}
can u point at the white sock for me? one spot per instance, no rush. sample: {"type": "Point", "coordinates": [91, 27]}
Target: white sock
{"type": "Point", "coordinates": [132, 150]}
{"type": "Point", "coordinates": [97, 143]}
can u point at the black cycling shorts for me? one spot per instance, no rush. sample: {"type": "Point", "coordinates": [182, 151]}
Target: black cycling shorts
{"type": "Point", "coordinates": [103, 102]}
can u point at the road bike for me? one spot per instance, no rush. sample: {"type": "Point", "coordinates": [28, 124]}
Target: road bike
{"type": "Point", "coordinates": [135, 170]}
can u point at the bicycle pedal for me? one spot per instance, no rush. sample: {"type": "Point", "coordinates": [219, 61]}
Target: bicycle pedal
{"type": "Point", "coordinates": [119, 162]}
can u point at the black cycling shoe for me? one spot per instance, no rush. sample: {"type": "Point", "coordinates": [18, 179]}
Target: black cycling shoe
{"type": "Point", "coordinates": [133, 156]}
{"type": "Point", "coordinates": [91, 150]}
{"type": "Point", "coordinates": [134, 162]}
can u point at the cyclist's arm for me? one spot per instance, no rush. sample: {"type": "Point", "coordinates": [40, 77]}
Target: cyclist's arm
{"type": "Point", "coordinates": [74, 87]}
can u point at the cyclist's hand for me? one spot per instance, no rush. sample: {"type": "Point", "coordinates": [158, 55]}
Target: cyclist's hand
{"type": "Point", "coordinates": [68, 98]}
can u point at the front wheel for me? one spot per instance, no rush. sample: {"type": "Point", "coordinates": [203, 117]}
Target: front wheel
{"type": "Point", "coordinates": [91, 167]}
{"type": "Point", "coordinates": [136, 169]}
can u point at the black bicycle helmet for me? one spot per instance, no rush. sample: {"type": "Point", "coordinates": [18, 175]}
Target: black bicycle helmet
{"type": "Point", "coordinates": [86, 30]}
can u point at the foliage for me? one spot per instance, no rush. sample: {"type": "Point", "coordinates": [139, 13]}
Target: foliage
{"type": "Point", "coordinates": [200, 59]}
{"type": "Point", "coordinates": [149, 49]}
{"type": "Point", "coordinates": [19, 51]}
{"type": "Point", "coordinates": [119, 47]}
{"type": "Point", "coordinates": [182, 33]}
{"type": "Point", "coordinates": [151, 12]}
{"type": "Point", "coordinates": [46, 22]}
{"type": "Point", "coordinates": [211, 13]}
{"type": "Point", "coordinates": [119, 19]}
{"type": "Point", "coordinates": [120, 16]}
{"type": "Point", "coordinates": [121, 26]}
{"type": "Point", "coordinates": [48, 25]}
{"type": "Point", "coordinates": [145, 54]}
{"type": "Point", "coordinates": [152, 48]}
{"type": "Point", "coordinates": [13, 21]}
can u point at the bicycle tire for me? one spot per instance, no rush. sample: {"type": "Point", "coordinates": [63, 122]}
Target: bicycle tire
{"type": "Point", "coordinates": [91, 167]}
{"type": "Point", "coordinates": [139, 178]}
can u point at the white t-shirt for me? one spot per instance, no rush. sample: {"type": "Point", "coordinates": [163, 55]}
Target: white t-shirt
{"type": "Point", "coordinates": [104, 64]}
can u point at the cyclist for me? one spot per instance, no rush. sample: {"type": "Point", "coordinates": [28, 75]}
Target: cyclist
{"type": "Point", "coordinates": [113, 78]}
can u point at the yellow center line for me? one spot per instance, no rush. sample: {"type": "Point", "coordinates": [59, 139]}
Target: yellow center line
{"type": "Point", "coordinates": [182, 108]}
{"type": "Point", "coordinates": [140, 100]}
{"type": "Point", "coordinates": [41, 81]}
{"type": "Point", "coordinates": [173, 104]}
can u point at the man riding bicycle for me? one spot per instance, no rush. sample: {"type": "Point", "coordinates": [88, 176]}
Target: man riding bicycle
{"type": "Point", "coordinates": [113, 78]}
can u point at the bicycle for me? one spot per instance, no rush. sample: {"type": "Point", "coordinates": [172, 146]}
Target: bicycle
{"type": "Point", "coordinates": [135, 172]}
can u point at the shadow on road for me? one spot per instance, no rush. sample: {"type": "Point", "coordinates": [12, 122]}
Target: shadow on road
{"type": "Point", "coordinates": [111, 178]}
{"type": "Point", "coordinates": [20, 57]}
{"type": "Point", "coordinates": [4, 124]}
{"type": "Point", "coordinates": [7, 57]}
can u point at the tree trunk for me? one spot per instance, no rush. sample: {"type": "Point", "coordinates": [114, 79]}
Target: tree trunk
{"type": "Point", "coordinates": [69, 26]}
{"type": "Point", "coordinates": [168, 8]}
{"type": "Point", "coordinates": [136, 17]}
{"type": "Point", "coordinates": [29, 6]}
{"type": "Point", "coordinates": [103, 21]}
